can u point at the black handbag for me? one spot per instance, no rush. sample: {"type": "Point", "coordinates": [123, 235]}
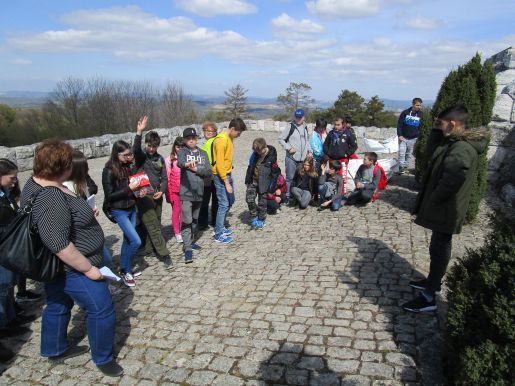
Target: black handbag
{"type": "Point", "coordinates": [106, 208]}
{"type": "Point", "coordinates": [23, 252]}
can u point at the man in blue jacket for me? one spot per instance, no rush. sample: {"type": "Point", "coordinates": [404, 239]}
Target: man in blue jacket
{"type": "Point", "coordinates": [407, 131]}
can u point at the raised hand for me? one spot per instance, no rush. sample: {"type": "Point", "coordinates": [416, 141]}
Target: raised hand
{"type": "Point", "coordinates": [142, 124]}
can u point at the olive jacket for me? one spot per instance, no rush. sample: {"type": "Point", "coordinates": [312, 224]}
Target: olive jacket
{"type": "Point", "coordinates": [449, 180]}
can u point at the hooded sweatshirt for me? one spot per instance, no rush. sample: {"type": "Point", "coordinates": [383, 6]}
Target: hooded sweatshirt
{"type": "Point", "coordinates": [192, 183]}
{"type": "Point", "coordinates": [449, 180]}
{"type": "Point", "coordinates": [152, 164]}
{"type": "Point", "coordinates": [298, 139]}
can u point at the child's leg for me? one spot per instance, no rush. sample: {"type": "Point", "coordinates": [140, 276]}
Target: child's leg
{"type": "Point", "coordinates": [336, 204]}
{"type": "Point", "coordinates": [353, 197]}
{"type": "Point", "coordinates": [261, 207]}
{"type": "Point", "coordinates": [250, 197]}
{"type": "Point", "coordinates": [151, 220]}
{"type": "Point", "coordinates": [187, 220]}
{"type": "Point", "coordinates": [305, 198]}
{"type": "Point", "coordinates": [366, 195]}
{"type": "Point", "coordinates": [195, 210]}
{"type": "Point", "coordinates": [176, 213]}
{"type": "Point", "coordinates": [322, 190]}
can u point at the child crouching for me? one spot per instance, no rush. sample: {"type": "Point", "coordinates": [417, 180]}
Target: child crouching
{"type": "Point", "coordinates": [330, 186]}
{"type": "Point", "coordinates": [275, 199]}
{"type": "Point", "coordinates": [366, 181]}
{"type": "Point", "coordinates": [260, 180]}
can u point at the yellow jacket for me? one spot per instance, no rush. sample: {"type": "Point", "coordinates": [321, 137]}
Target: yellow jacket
{"type": "Point", "coordinates": [223, 151]}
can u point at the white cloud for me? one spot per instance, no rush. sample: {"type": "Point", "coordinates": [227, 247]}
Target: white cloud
{"type": "Point", "coordinates": [420, 22]}
{"type": "Point", "coordinates": [209, 8]}
{"type": "Point", "coordinates": [343, 8]}
{"type": "Point", "coordinates": [286, 26]}
{"type": "Point", "coordinates": [130, 34]}
{"type": "Point", "coordinates": [22, 62]}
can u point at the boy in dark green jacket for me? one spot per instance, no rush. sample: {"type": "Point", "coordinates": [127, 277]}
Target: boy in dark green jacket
{"type": "Point", "coordinates": [445, 195]}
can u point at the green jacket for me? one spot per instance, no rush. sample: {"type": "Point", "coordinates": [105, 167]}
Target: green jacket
{"type": "Point", "coordinates": [449, 179]}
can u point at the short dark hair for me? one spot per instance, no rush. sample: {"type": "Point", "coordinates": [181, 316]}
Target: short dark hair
{"type": "Point", "coordinates": [339, 118]}
{"type": "Point", "coordinates": [52, 158]}
{"type": "Point", "coordinates": [321, 122]}
{"type": "Point", "coordinates": [152, 138]}
{"type": "Point", "coordinates": [258, 145]}
{"type": "Point", "coordinates": [372, 156]}
{"type": "Point", "coordinates": [335, 165]}
{"type": "Point", "coordinates": [237, 124]}
{"type": "Point", "coordinates": [347, 119]}
{"type": "Point", "coordinates": [415, 100]}
{"type": "Point", "coordinates": [457, 113]}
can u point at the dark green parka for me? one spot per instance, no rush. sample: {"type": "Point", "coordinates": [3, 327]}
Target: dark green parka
{"type": "Point", "coordinates": [449, 179]}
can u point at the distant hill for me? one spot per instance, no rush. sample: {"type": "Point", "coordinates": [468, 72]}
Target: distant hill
{"type": "Point", "coordinates": [260, 107]}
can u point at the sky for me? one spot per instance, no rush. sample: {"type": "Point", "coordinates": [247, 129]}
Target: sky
{"type": "Point", "coordinates": [397, 49]}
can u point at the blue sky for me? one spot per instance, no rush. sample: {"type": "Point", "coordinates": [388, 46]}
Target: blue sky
{"type": "Point", "coordinates": [396, 49]}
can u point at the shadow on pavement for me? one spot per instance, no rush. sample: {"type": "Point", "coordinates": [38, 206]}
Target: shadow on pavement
{"type": "Point", "coordinates": [380, 277]}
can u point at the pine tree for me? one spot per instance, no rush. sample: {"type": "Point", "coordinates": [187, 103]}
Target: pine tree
{"type": "Point", "coordinates": [296, 97]}
{"type": "Point", "coordinates": [236, 99]}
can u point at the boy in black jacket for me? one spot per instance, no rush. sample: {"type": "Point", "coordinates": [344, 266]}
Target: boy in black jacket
{"type": "Point", "coordinates": [260, 179]}
{"type": "Point", "coordinates": [150, 207]}
{"type": "Point", "coordinates": [407, 131]}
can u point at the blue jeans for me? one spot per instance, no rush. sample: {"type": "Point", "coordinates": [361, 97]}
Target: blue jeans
{"type": "Point", "coordinates": [405, 151]}
{"type": "Point", "coordinates": [335, 204]}
{"type": "Point", "coordinates": [91, 296]}
{"type": "Point", "coordinates": [225, 201]}
{"type": "Point", "coordinates": [7, 311]}
{"type": "Point", "coordinates": [126, 220]}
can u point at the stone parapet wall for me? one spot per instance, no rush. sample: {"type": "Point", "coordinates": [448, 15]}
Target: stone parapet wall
{"type": "Point", "coordinates": [95, 147]}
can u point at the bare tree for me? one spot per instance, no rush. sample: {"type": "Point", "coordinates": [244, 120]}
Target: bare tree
{"type": "Point", "coordinates": [236, 99]}
{"type": "Point", "coordinates": [176, 107]}
{"type": "Point", "coordinates": [296, 97]}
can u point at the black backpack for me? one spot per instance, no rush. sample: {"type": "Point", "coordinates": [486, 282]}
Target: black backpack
{"type": "Point", "coordinates": [292, 129]}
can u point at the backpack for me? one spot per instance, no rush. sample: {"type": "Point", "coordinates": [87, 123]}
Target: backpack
{"type": "Point", "coordinates": [383, 181]}
{"type": "Point", "coordinates": [292, 129]}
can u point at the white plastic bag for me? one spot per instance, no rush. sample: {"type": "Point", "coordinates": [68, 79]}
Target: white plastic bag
{"type": "Point", "coordinates": [388, 146]}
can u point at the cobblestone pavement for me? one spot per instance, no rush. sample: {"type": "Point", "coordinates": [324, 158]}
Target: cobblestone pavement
{"type": "Point", "coordinates": [313, 299]}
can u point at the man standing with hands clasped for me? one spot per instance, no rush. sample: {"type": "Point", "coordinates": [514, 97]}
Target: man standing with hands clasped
{"type": "Point", "coordinates": [294, 139]}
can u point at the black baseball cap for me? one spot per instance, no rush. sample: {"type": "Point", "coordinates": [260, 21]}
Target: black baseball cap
{"type": "Point", "coordinates": [189, 132]}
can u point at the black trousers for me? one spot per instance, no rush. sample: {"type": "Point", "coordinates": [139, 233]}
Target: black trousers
{"type": "Point", "coordinates": [209, 194]}
{"type": "Point", "coordinates": [440, 252]}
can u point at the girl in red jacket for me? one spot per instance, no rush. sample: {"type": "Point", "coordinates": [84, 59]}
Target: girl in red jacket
{"type": "Point", "coordinates": [174, 187]}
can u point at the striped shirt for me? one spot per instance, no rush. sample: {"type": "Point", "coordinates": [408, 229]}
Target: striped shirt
{"type": "Point", "coordinates": [60, 218]}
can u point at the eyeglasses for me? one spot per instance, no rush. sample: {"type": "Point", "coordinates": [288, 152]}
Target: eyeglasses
{"type": "Point", "coordinates": [126, 155]}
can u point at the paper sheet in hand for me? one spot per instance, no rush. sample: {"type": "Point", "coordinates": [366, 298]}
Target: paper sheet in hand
{"type": "Point", "coordinates": [92, 201]}
{"type": "Point", "coordinates": [108, 274]}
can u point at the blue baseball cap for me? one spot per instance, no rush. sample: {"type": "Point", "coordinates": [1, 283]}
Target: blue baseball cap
{"type": "Point", "coordinates": [299, 113]}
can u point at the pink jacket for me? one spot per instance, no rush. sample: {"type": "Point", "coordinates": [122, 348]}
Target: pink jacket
{"type": "Point", "coordinates": [174, 176]}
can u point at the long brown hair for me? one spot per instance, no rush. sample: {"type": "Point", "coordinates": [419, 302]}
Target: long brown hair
{"type": "Point", "coordinates": [119, 169]}
{"type": "Point", "coordinates": [312, 170]}
{"type": "Point", "coordinates": [79, 172]}
{"type": "Point", "coordinates": [179, 142]}
{"type": "Point", "coordinates": [7, 167]}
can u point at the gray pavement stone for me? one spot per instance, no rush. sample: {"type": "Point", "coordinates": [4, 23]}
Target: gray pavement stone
{"type": "Point", "coordinates": [291, 304]}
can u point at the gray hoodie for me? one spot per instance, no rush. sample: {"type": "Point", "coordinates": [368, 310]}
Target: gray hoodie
{"type": "Point", "coordinates": [298, 139]}
{"type": "Point", "coordinates": [192, 183]}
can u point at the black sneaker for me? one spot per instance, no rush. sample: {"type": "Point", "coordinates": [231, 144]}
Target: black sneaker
{"type": "Point", "coordinates": [167, 261]}
{"type": "Point", "coordinates": [418, 284]}
{"type": "Point", "coordinates": [27, 296]}
{"type": "Point", "coordinates": [111, 369]}
{"type": "Point", "coordinates": [13, 330]}
{"type": "Point", "coordinates": [22, 319]}
{"type": "Point", "coordinates": [420, 304]}
{"type": "Point", "coordinates": [72, 352]}
{"type": "Point", "coordinates": [5, 354]}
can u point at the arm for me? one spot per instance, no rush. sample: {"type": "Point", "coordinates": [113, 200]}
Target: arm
{"type": "Point", "coordinates": [455, 169]}
{"type": "Point", "coordinates": [109, 189]}
{"type": "Point", "coordinates": [352, 143]}
{"type": "Point", "coordinates": [204, 168]}
{"type": "Point", "coordinates": [164, 177]}
{"type": "Point", "coordinates": [139, 154]}
{"type": "Point", "coordinates": [92, 187]}
{"type": "Point", "coordinates": [181, 158]}
{"type": "Point", "coordinates": [326, 144]}
{"type": "Point", "coordinates": [322, 178]}
{"type": "Point", "coordinates": [282, 138]}
{"type": "Point", "coordinates": [375, 181]}
{"type": "Point", "coordinates": [400, 123]}
{"type": "Point", "coordinates": [219, 155]}
{"type": "Point", "coordinates": [339, 188]}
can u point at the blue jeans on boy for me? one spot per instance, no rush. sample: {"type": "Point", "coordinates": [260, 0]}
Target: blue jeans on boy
{"type": "Point", "coordinates": [335, 204]}
{"type": "Point", "coordinates": [91, 296]}
{"type": "Point", "coordinates": [7, 311]}
{"type": "Point", "coordinates": [225, 201]}
{"type": "Point", "coordinates": [126, 220]}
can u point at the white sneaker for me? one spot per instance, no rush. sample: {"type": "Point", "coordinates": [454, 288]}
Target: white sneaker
{"type": "Point", "coordinates": [178, 238]}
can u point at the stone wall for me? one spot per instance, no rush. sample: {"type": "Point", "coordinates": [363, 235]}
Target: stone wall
{"type": "Point", "coordinates": [95, 147]}
{"type": "Point", "coordinates": [502, 147]}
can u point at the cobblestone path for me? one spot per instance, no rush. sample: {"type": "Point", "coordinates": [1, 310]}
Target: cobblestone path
{"type": "Point", "coordinates": [313, 299]}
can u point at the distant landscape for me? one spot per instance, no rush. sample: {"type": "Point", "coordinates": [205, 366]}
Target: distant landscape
{"type": "Point", "coordinates": [257, 107]}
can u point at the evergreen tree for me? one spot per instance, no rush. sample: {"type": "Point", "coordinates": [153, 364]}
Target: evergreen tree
{"type": "Point", "coordinates": [236, 99]}
{"type": "Point", "coordinates": [472, 85]}
{"type": "Point", "coordinates": [480, 344]}
{"type": "Point", "coordinates": [295, 97]}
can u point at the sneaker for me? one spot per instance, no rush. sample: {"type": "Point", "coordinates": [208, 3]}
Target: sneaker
{"type": "Point", "coordinates": [136, 273]}
{"type": "Point", "coordinates": [167, 261]}
{"type": "Point", "coordinates": [178, 238]}
{"type": "Point", "coordinates": [225, 232]}
{"type": "Point", "coordinates": [188, 257]}
{"type": "Point", "coordinates": [222, 239]}
{"type": "Point", "coordinates": [260, 224]}
{"type": "Point", "coordinates": [420, 304]}
{"type": "Point", "coordinates": [128, 279]}
{"type": "Point", "coordinates": [5, 354]}
{"type": "Point", "coordinates": [418, 284]}
{"type": "Point", "coordinates": [27, 296]}
{"type": "Point", "coordinates": [253, 222]}
{"type": "Point", "coordinates": [196, 247]}
{"type": "Point", "coordinates": [72, 352]}
{"type": "Point", "coordinates": [111, 369]}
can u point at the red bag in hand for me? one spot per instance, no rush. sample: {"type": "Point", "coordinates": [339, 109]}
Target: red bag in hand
{"type": "Point", "coordinates": [144, 182]}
